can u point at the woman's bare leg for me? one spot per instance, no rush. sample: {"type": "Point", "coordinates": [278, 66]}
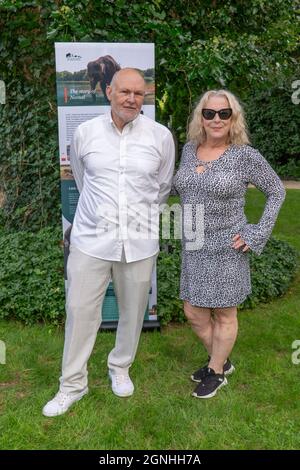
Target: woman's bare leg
{"type": "Point", "coordinates": [224, 336]}
{"type": "Point", "coordinates": [201, 322]}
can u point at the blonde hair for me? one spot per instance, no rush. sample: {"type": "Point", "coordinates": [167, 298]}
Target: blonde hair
{"type": "Point", "coordinates": [238, 131]}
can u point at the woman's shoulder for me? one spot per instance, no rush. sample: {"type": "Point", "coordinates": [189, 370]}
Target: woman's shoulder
{"type": "Point", "coordinates": [248, 152]}
{"type": "Point", "coordinates": [189, 145]}
{"type": "Point", "coordinates": [188, 148]}
{"type": "Point", "coordinates": [243, 148]}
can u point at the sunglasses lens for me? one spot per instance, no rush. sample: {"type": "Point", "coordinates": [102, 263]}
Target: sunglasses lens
{"type": "Point", "coordinates": [208, 114]}
{"type": "Point", "coordinates": [225, 113]}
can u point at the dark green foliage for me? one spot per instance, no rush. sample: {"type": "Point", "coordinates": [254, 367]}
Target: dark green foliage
{"type": "Point", "coordinates": [168, 277]}
{"type": "Point", "coordinates": [28, 161]}
{"type": "Point", "coordinates": [31, 276]}
{"type": "Point", "coordinates": [271, 275]}
{"type": "Point", "coordinates": [271, 272]}
{"type": "Point", "coordinates": [246, 46]}
{"type": "Point", "coordinates": [270, 113]}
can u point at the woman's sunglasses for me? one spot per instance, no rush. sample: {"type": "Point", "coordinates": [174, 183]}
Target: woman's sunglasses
{"type": "Point", "coordinates": [209, 114]}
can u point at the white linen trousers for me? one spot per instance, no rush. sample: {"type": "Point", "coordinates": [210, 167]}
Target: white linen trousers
{"type": "Point", "coordinates": [88, 278]}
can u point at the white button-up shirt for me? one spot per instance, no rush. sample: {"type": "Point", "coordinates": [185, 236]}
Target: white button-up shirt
{"type": "Point", "coordinates": [122, 178]}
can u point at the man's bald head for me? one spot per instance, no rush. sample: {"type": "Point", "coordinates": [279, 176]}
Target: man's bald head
{"type": "Point", "coordinates": [126, 73]}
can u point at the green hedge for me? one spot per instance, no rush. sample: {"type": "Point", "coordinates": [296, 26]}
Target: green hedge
{"type": "Point", "coordinates": [32, 282]}
{"type": "Point", "coordinates": [268, 113]}
{"type": "Point", "coordinates": [249, 47]}
{"type": "Point", "coordinates": [31, 276]}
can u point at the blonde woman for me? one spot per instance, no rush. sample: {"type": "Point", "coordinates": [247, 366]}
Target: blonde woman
{"type": "Point", "coordinates": [216, 167]}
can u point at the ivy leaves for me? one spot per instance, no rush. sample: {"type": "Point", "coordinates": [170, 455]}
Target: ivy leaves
{"type": "Point", "coordinates": [249, 47]}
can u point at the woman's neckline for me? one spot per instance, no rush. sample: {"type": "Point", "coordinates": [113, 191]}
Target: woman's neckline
{"type": "Point", "coordinates": [215, 159]}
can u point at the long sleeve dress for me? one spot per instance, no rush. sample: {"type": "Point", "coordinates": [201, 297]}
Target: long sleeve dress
{"type": "Point", "coordinates": [217, 275]}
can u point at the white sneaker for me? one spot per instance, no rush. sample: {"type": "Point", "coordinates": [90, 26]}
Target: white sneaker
{"type": "Point", "coordinates": [121, 385]}
{"type": "Point", "coordinates": [61, 403]}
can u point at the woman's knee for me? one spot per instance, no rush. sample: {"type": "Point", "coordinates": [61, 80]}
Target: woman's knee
{"type": "Point", "coordinates": [198, 315]}
{"type": "Point", "coordinates": [226, 316]}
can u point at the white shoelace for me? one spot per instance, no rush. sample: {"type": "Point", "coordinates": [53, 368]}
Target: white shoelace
{"type": "Point", "coordinates": [61, 398]}
{"type": "Point", "coordinates": [120, 379]}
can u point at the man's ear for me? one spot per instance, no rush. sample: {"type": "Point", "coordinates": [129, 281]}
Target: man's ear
{"type": "Point", "coordinates": [108, 92]}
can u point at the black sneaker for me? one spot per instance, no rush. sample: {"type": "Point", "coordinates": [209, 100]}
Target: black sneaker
{"type": "Point", "coordinates": [199, 375]}
{"type": "Point", "coordinates": [210, 384]}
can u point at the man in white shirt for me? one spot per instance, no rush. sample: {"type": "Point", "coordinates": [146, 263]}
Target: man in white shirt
{"type": "Point", "coordinates": [123, 165]}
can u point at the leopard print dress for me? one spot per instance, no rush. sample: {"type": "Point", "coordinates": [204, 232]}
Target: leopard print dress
{"type": "Point", "coordinates": [216, 274]}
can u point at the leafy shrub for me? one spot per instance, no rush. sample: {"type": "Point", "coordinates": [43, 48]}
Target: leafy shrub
{"type": "Point", "coordinates": [29, 184]}
{"type": "Point", "coordinates": [267, 114]}
{"type": "Point", "coordinates": [244, 46]}
{"type": "Point", "coordinates": [31, 276]}
{"type": "Point", "coordinates": [271, 272]}
{"type": "Point", "coordinates": [168, 276]}
{"type": "Point", "coordinates": [289, 170]}
{"type": "Point", "coordinates": [271, 275]}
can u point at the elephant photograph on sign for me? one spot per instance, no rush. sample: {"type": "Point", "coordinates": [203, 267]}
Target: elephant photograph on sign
{"type": "Point", "coordinates": [83, 74]}
{"type": "Point", "coordinates": [101, 70]}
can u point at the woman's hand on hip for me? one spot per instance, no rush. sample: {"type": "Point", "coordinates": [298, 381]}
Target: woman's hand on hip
{"type": "Point", "coordinates": [238, 242]}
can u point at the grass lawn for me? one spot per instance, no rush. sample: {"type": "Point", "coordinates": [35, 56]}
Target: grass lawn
{"type": "Point", "coordinates": [259, 409]}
